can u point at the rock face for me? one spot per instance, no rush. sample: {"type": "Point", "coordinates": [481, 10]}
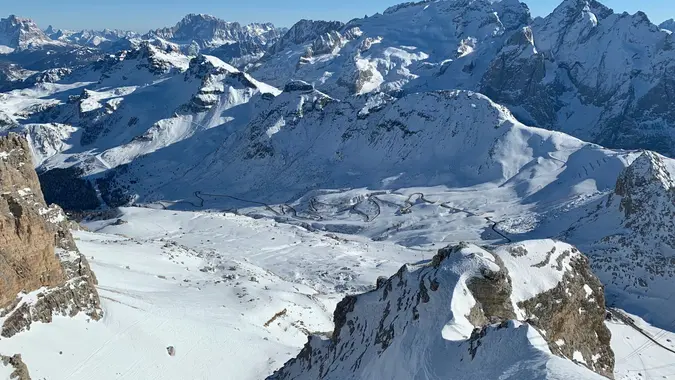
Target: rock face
{"type": "Point", "coordinates": [20, 370]}
{"type": "Point", "coordinates": [40, 262]}
{"type": "Point", "coordinates": [304, 31]}
{"type": "Point", "coordinates": [456, 315]}
{"type": "Point", "coordinates": [630, 237]}
{"type": "Point", "coordinates": [21, 33]}
{"type": "Point", "coordinates": [229, 41]}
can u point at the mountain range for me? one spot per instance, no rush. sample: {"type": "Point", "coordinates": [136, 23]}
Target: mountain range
{"type": "Point", "coordinates": [537, 151]}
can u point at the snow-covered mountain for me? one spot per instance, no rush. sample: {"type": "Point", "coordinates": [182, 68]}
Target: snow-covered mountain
{"type": "Point", "coordinates": [340, 152]}
{"type": "Point", "coordinates": [20, 34]}
{"type": "Point", "coordinates": [584, 70]}
{"type": "Point", "coordinates": [304, 31]}
{"type": "Point", "coordinates": [104, 39]}
{"type": "Point", "coordinates": [375, 142]}
{"type": "Point", "coordinates": [24, 45]}
{"type": "Point", "coordinates": [631, 238]}
{"type": "Point", "coordinates": [230, 41]}
{"type": "Point", "coordinates": [448, 318]}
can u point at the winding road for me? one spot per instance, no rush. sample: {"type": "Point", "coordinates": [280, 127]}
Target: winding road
{"type": "Point", "coordinates": [288, 210]}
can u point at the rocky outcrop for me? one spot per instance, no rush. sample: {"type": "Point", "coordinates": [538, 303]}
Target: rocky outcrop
{"type": "Point", "coordinates": [630, 237]}
{"type": "Point", "coordinates": [456, 312]}
{"type": "Point", "coordinates": [304, 31]}
{"type": "Point", "coordinates": [578, 65]}
{"type": "Point", "coordinates": [41, 269]}
{"type": "Point", "coordinates": [211, 32]}
{"type": "Point", "coordinates": [20, 369]}
{"type": "Point", "coordinates": [575, 328]}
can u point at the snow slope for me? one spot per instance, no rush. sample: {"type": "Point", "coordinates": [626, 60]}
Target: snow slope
{"type": "Point", "coordinates": [421, 323]}
{"type": "Point", "coordinates": [207, 284]}
{"type": "Point", "coordinates": [584, 70]}
{"type": "Point", "coordinates": [129, 105]}
{"type": "Point", "coordinates": [454, 139]}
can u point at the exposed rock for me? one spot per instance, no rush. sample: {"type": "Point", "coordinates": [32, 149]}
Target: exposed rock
{"type": "Point", "coordinates": [28, 239]}
{"type": "Point", "coordinates": [304, 31]}
{"type": "Point", "coordinates": [21, 33]}
{"type": "Point", "coordinates": [298, 85]}
{"type": "Point", "coordinates": [467, 296]}
{"type": "Point", "coordinates": [20, 368]}
{"type": "Point", "coordinates": [575, 325]}
{"type": "Point", "coordinates": [638, 254]}
{"type": "Point", "coordinates": [41, 263]}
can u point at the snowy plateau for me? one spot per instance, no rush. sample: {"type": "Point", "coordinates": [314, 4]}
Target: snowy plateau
{"type": "Point", "coordinates": [448, 189]}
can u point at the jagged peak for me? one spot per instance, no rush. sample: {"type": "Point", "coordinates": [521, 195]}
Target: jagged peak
{"type": "Point", "coordinates": [298, 85]}
{"type": "Point", "coordinates": [465, 293]}
{"type": "Point", "coordinates": [648, 169]}
{"type": "Point", "coordinates": [203, 65]}
{"type": "Point", "coordinates": [668, 25]}
{"type": "Point", "coordinates": [305, 31]}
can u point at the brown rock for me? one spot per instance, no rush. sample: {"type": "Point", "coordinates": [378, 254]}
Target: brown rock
{"type": "Point", "coordinates": [36, 248]}
{"type": "Point", "coordinates": [20, 369]}
{"type": "Point", "coordinates": [27, 248]}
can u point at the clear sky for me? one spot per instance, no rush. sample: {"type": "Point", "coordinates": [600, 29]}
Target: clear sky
{"type": "Point", "coordinates": [143, 15]}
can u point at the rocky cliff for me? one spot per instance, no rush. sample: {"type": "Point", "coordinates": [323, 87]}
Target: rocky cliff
{"type": "Point", "coordinates": [460, 311]}
{"type": "Point", "coordinates": [42, 273]}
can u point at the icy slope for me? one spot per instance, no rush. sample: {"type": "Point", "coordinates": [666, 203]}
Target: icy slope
{"type": "Point", "coordinates": [428, 322]}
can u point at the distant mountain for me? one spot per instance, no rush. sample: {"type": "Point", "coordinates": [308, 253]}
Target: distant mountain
{"type": "Point", "coordinates": [21, 33]}
{"type": "Point", "coordinates": [229, 41]}
{"type": "Point", "coordinates": [668, 25]}
{"type": "Point", "coordinates": [304, 31]}
{"type": "Point", "coordinates": [90, 38]}
{"type": "Point", "coordinates": [584, 70]}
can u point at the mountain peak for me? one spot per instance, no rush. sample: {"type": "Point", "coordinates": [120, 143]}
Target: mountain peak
{"type": "Point", "coordinates": [668, 25]}
{"type": "Point", "coordinates": [21, 33]}
{"type": "Point", "coordinates": [198, 32]}
{"type": "Point", "coordinates": [647, 170]}
{"type": "Point", "coordinates": [305, 31]}
{"type": "Point", "coordinates": [456, 312]}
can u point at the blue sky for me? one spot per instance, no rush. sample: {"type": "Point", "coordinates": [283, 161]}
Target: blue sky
{"type": "Point", "coordinates": [142, 15]}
